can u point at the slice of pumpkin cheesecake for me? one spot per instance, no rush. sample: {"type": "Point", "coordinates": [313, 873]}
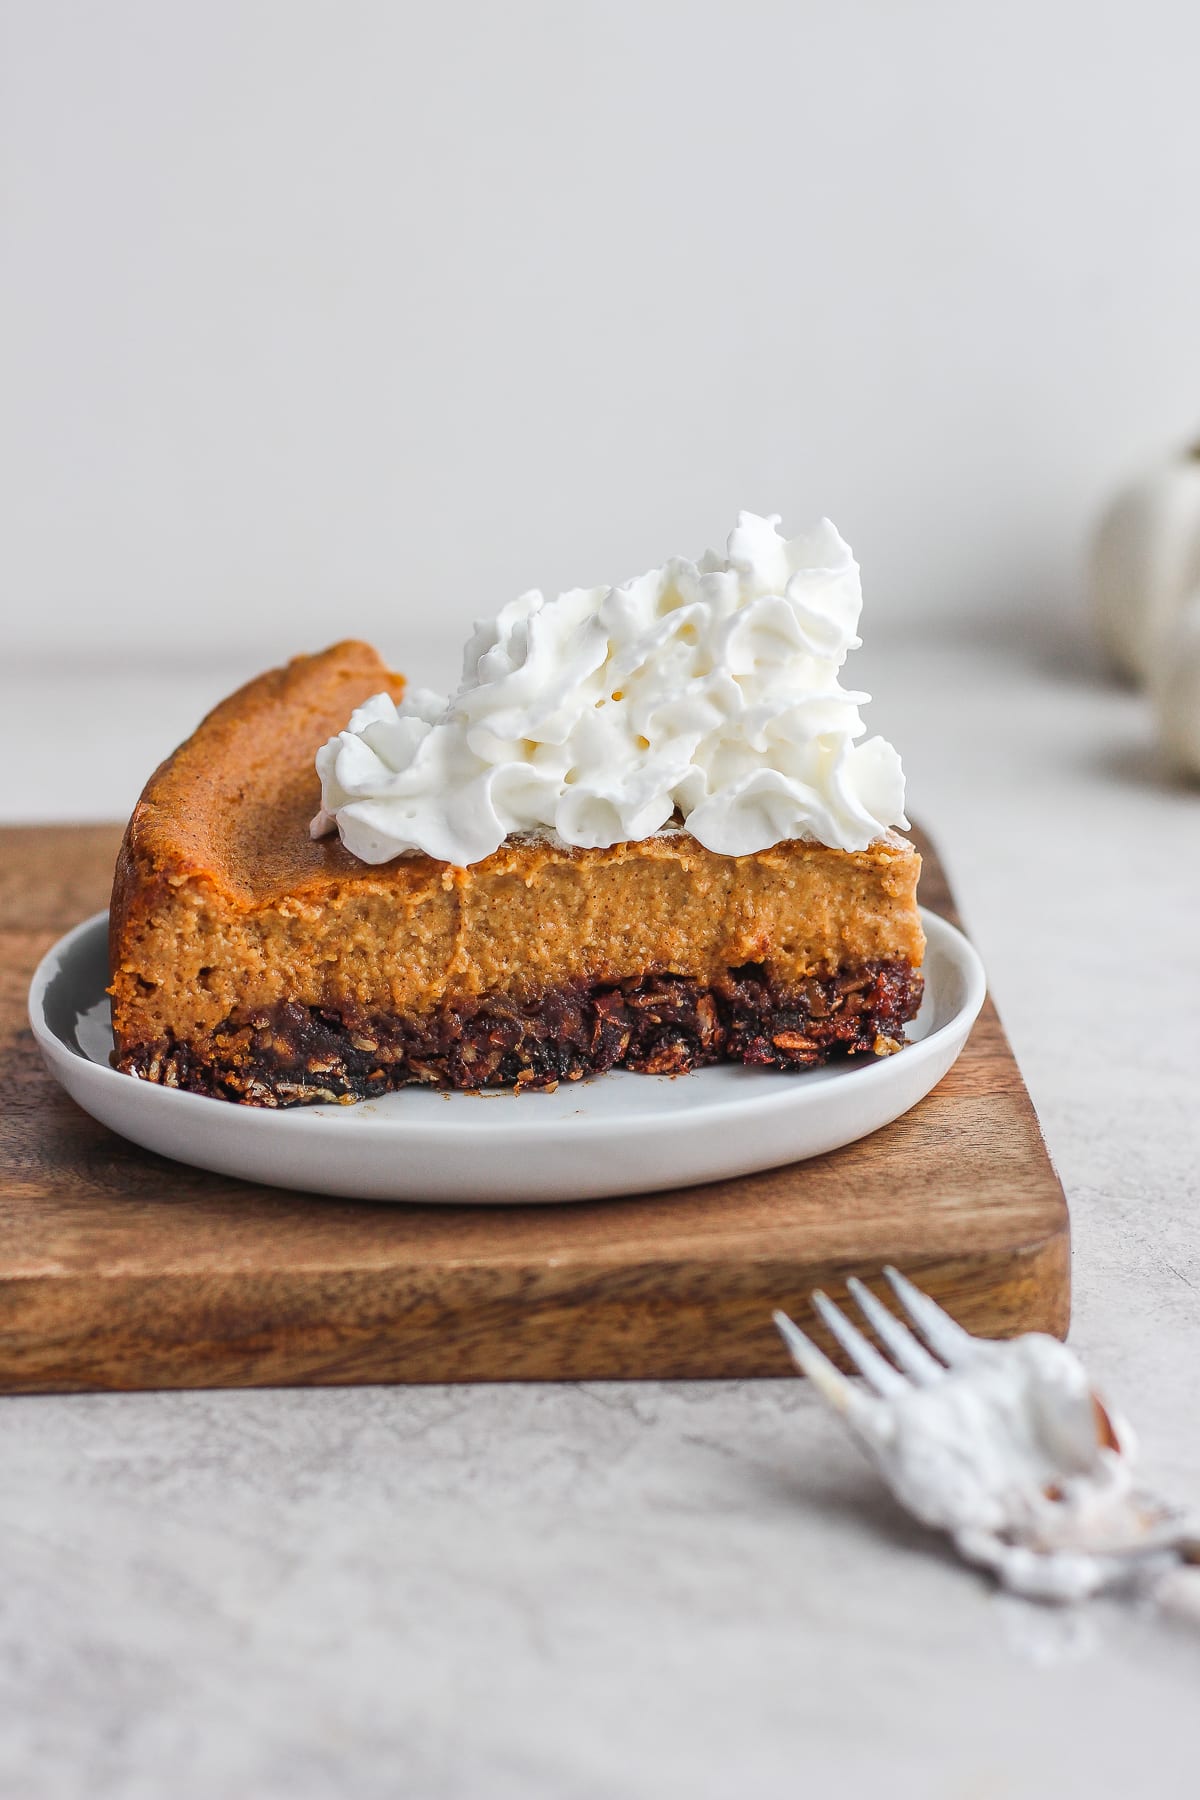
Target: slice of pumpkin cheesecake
{"type": "Point", "coordinates": [606, 851]}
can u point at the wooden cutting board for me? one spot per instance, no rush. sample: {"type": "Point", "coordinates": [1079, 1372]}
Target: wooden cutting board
{"type": "Point", "coordinates": [120, 1269]}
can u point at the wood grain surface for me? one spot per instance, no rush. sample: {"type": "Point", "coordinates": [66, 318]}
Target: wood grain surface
{"type": "Point", "coordinates": [121, 1269]}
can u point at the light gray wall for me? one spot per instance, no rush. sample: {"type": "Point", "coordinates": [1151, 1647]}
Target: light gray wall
{"type": "Point", "coordinates": [362, 317]}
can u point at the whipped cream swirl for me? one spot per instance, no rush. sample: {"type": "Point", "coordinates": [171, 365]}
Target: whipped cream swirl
{"type": "Point", "coordinates": [704, 692]}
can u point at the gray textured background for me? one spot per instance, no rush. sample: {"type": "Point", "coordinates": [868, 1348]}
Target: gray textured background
{"type": "Point", "coordinates": [633, 1592]}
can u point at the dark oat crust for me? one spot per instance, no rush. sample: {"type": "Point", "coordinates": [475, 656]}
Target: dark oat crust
{"type": "Point", "coordinates": [286, 1055]}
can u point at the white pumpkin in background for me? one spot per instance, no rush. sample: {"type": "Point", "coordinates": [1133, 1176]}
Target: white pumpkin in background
{"type": "Point", "coordinates": [1175, 688]}
{"type": "Point", "coordinates": [1146, 562]}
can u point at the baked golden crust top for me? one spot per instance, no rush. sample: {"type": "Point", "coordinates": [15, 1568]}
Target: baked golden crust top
{"type": "Point", "coordinates": [232, 804]}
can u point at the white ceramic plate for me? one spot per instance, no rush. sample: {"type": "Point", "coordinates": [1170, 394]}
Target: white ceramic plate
{"type": "Point", "coordinates": [617, 1134]}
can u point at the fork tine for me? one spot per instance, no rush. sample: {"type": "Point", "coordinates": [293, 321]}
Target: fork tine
{"type": "Point", "coordinates": [876, 1369]}
{"type": "Point", "coordinates": [895, 1336]}
{"type": "Point", "coordinates": [940, 1331]}
{"type": "Point", "coordinates": [829, 1381]}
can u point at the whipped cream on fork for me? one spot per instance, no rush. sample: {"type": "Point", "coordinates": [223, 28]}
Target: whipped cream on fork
{"type": "Point", "coordinates": [704, 691]}
{"type": "Point", "coordinates": [1005, 1445]}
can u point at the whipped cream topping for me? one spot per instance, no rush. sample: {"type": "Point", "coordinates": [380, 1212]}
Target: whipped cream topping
{"type": "Point", "coordinates": [706, 692]}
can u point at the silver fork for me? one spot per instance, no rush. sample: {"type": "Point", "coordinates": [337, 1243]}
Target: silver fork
{"type": "Point", "coordinates": [1005, 1445]}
